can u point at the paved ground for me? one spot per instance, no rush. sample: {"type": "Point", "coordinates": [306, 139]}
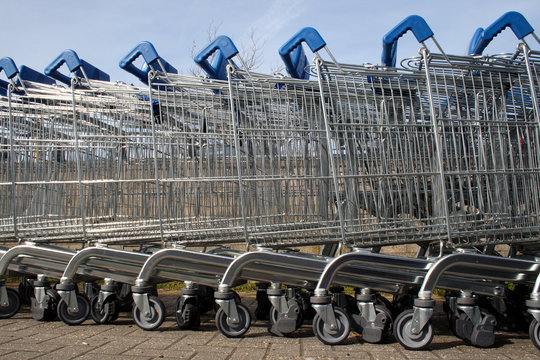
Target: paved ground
{"type": "Point", "coordinates": [24, 338]}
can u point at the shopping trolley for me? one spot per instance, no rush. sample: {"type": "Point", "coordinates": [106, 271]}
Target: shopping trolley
{"type": "Point", "coordinates": [431, 155]}
{"type": "Point", "coordinates": [82, 149]}
{"type": "Point", "coordinates": [30, 108]}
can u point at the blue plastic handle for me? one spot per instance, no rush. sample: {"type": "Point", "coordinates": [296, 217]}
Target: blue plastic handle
{"type": "Point", "coordinates": [32, 75]}
{"type": "Point", "coordinates": [68, 57]}
{"type": "Point", "coordinates": [149, 54]}
{"type": "Point", "coordinates": [293, 55]}
{"type": "Point", "coordinates": [225, 49]}
{"type": "Point", "coordinates": [74, 64]}
{"type": "Point", "coordinates": [8, 66]}
{"type": "Point", "coordinates": [414, 23]}
{"type": "Point", "coordinates": [517, 22]}
{"type": "Point", "coordinates": [475, 39]}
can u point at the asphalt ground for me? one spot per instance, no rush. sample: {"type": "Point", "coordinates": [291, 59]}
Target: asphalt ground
{"type": "Point", "coordinates": [22, 337]}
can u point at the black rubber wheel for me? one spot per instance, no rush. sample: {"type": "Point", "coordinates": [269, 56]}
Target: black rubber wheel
{"type": "Point", "coordinates": [189, 318]}
{"type": "Point", "coordinates": [102, 314]}
{"type": "Point", "coordinates": [234, 330]}
{"type": "Point", "coordinates": [402, 332]}
{"type": "Point", "coordinates": [26, 291]}
{"type": "Point", "coordinates": [329, 336]}
{"type": "Point", "coordinates": [116, 312]}
{"type": "Point", "coordinates": [534, 333]}
{"type": "Point", "coordinates": [14, 300]}
{"type": "Point", "coordinates": [49, 312]}
{"type": "Point", "coordinates": [74, 318]}
{"type": "Point", "coordinates": [157, 314]}
{"type": "Point", "coordinates": [389, 325]}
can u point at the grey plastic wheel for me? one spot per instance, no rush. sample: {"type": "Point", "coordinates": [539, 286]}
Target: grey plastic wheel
{"type": "Point", "coordinates": [333, 336]}
{"type": "Point", "coordinates": [74, 318]}
{"type": "Point", "coordinates": [402, 332]}
{"type": "Point", "coordinates": [534, 333]}
{"type": "Point", "coordinates": [230, 329]}
{"type": "Point", "coordinates": [156, 317]}
{"type": "Point", "coordinates": [14, 300]}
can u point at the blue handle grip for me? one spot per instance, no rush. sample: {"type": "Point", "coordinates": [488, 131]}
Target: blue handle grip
{"type": "Point", "coordinates": [74, 64]}
{"type": "Point", "coordinates": [68, 57]}
{"type": "Point", "coordinates": [226, 51]}
{"type": "Point", "coordinates": [8, 65]}
{"type": "Point", "coordinates": [293, 54]}
{"type": "Point", "coordinates": [477, 36]}
{"type": "Point", "coordinates": [414, 23]}
{"type": "Point", "coordinates": [517, 22]}
{"type": "Point", "coordinates": [150, 56]}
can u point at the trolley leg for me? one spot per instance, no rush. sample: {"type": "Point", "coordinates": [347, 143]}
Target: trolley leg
{"type": "Point", "coordinates": [374, 321]}
{"type": "Point", "coordinates": [264, 305]}
{"type": "Point", "coordinates": [104, 305]}
{"type": "Point", "coordinates": [285, 314]}
{"type": "Point", "coordinates": [331, 324]}
{"type": "Point", "coordinates": [45, 301]}
{"type": "Point", "coordinates": [187, 307]}
{"type": "Point", "coordinates": [4, 301]}
{"type": "Point", "coordinates": [67, 291]}
{"type": "Point", "coordinates": [232, 319]}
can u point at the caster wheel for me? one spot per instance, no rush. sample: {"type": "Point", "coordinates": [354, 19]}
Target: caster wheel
{"type": "Point", "coordinates": [333, 336]}
{"type": "Point", "coordinates": [534, 333]}
{"type": "Point", "coordinates": [74, 318]}
{"type": "Point", "coordinates": [230, 329]}
{"type": "Point", "coordinates": [402, 332]}
{"type": "Point", "coordinates": [188, 318]}
{"type": "Point", "coordinates": [274, 314]}
{"type": "Point", "coordinates": [14, 300]}
{"type": "Point", "coordinates": [47, 312]}
{"type": "Point", "coordinates": [103, 314]}
{"type": "Point", "coordinates": [154, 319]}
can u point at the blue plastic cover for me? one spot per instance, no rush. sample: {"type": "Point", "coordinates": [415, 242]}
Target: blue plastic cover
{"type": "Point", "coordinates": [414, 23]}
{"type": "Point", "coordinates": [517, 22]}
{"type": "Point", "coordinates": [8, 66]}
{"type": "Point", "coordinates": [3, 87]}
{"type": "Point", "coordinates": [225, 49]}
{"type": "Point", "coordinates": [149, 54]}
{"type": "Point", "coordinates": [32, 75]}
{"type": "Point", "coordinates": [293, 55]}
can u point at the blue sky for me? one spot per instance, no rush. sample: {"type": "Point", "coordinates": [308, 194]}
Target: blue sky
{"type": "Point", "coordinates": [103, 31]}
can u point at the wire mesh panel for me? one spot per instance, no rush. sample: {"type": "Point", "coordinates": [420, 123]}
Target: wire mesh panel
{"type": "Point", "coordinates": [83, 165]}
{"type": "Point", "coordinates": [383, 149]}
{"type": "Point", "coordinates": [490, 150]}
{"type": "Point", "coordinates": [43, 196]}
{"type": "Point", "coordinates": [446, 153]}
{"type": "Point", "coordinates": [116, 151]}
{"type": "Point", "coordinates": [241, 162]}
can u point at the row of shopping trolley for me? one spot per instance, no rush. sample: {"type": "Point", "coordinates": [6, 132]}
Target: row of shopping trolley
{"type": "Point", "coordinates": [238, 176]}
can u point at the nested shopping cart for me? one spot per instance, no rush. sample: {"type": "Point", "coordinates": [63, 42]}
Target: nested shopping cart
{"type": "Point", "coordinates": [37, 186]}
{"type": "Point", "coordinates": [442, 153]}
{"type": "Point", "coordinates": [79, 181]}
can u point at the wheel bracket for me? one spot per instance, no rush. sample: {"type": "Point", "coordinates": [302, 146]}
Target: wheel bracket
{"type": "Point", "coordinates": [230, 309]}
{"type": "Point", "coordinates": [420, 318]}
{"type": "Point", "coordinates": [327, 314]}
